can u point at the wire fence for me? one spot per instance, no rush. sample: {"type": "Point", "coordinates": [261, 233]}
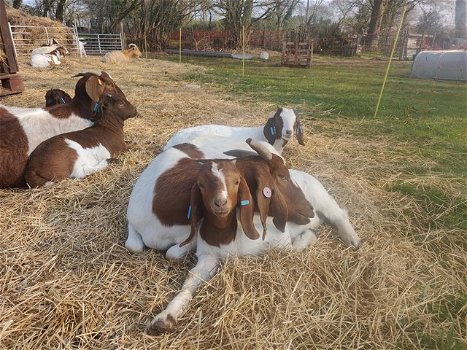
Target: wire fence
{"type": "Point", "coordinates": [27, 38]}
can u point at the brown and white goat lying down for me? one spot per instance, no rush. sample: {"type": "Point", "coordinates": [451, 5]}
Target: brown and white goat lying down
{"type": "Point", "coordinates": [23, 129]}
{"type": "Point", "coordinates": [277, 131]}
{"type": "Point", "coordinates": [234, 207]}
{"type": "Point", "coordinates": [81, 153]}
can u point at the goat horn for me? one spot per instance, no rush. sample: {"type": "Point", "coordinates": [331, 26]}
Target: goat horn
{"type": "Point", "coordinates": [260, 149]}
{"type": "Point", "coordinates": [132, 45]}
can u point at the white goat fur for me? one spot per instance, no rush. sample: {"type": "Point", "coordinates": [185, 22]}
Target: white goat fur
{"type": "Point", "coordinates": [39, 125]}
{"type": "Point", "coordinates": [237, 133]}
{"type": "Point", "coordinates": [82, 50]}
{"type": "Point", "coordinates": [144, 229]}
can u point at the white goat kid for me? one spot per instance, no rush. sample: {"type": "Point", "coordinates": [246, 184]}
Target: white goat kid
{"type": "Point", "coordinates": [277, 131]}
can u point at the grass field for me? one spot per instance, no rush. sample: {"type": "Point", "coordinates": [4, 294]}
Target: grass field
{"type": "Point", "coordinates": [67, 282]}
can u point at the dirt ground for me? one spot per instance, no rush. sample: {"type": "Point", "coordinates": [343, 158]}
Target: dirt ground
{"type": "Point", "coordinates": [67, 282]}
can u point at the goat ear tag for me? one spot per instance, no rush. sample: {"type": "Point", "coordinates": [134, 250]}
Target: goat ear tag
{"type": "Point", "coordinates": [267, 192]}
{"type": "Point", "coordinates": [244, 202]}
{"type": "Point", "coordinates": [188, 215]}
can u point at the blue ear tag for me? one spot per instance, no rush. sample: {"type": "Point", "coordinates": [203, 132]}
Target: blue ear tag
{"type": "Point", "coordinates": [273, 130]}
{"type": "Point", "coordinates": [244, 202]}
{"type": "Point", "coordinates": [97, 107]}
{"type": "Point", "coordinates": [188, 216]}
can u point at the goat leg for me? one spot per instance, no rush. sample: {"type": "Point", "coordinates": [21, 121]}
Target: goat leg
{"type": "Point", "coordinates": [166, 321]}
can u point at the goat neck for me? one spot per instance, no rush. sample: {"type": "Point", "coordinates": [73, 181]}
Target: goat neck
{"type": "Point", "coordinates": [217, 230]}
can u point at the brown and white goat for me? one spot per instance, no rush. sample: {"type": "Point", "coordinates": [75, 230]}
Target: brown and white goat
{"type": "Point", "coordinates": [277, 131]}
{"type": "Point", "coordinates": [23, 129]}
{"type": "Point", "coordinates": [55, 97]}
{"type": "Point", "coordinates": [122, 56]}
{"type": "Point", "coordinates": [47, 59]}
{"type": "Point", "coordinates": [219, 199]}
{"type": "Point", "coordinates": [81, 153]}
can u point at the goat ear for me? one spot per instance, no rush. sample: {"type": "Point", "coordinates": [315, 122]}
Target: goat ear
{"type": "Point", "coordinates": [278, 210]}
{"type": "Point", "coordinates": [94, 88]}
{"type": "Point", "coordinates": [299, 132]}
{"type": "Point", "coordinates": [270, 131]}
{"type": "Point", "coordinates": [239, 153]}
{"type": "Point", "coordinates": [246, 210]}
{"type": "Point", "coordinates": [194, 213]}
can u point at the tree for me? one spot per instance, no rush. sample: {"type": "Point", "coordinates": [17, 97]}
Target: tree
{"type": "Point", "coordinates": [60, 10]}
{"type": "Point", "coordinates": [461, 28]}
{"type": "Point", "coordinates": [17, 3]}
{"type": "Point", "coordinates": [429, 22]}
{"type": "Point", "coordinates": [237, 16]}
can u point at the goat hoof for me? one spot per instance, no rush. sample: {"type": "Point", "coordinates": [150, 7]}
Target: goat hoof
{"type": "Point", "coordinates": [161, 325]}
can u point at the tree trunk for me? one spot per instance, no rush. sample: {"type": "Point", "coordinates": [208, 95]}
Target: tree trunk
{"type": "Point", "coordinates": [46, 9]}
{"type": "Point", "coordinates": [372, 39]}
{"type": "Point", "coordinates": [59, 11]}
{"type": "Point", "coordinates": [461, 28]}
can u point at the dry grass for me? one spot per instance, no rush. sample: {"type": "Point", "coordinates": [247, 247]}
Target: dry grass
{"type": "Point", "coordinates": [66, 281]}
{"type": "Point", "coordinates": [37, 36]}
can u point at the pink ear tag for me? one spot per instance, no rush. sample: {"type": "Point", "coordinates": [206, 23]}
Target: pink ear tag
{"type": "Point", "coordinates": [267, 192]}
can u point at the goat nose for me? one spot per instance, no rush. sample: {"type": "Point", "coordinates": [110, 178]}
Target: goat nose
{"type": "Point", "coordinates": [220, 202]}
{"type": "Point", "coordinates": [288, 132]}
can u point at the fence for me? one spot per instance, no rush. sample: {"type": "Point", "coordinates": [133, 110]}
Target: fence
{"type": "Point", "coordinates": [27, 38]}
{"type": "Point", "coordinates": [98, 44]}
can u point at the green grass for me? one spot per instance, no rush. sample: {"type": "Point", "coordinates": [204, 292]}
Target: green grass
{"type": "Point", "coordinates": [430, 113]}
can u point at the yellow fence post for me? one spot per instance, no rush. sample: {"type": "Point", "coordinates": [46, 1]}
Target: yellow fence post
{"type": "Point", "coordinates": [390, 60]}
{"type": "Point", "coordinates": [243, 50]}
{"type": "Point", "coordinates": [180, 46]}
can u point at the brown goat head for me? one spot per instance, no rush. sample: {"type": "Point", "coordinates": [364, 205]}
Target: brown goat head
{"type": "Point", "coordinates": [216, 194]}
{"type": "Point", "coordinates": [274, 192]}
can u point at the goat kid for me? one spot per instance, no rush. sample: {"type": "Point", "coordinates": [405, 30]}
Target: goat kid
{"type": "Point", "coordinates": [81, 153]}
{"type": "Point", "coordinates": [325, 206]}
{"type": "Point", "coordinates": [52, 58]}
{"type": "Point", "coordinates": [207, 192]}
{"type": "Point", "coordinates": [23, 129]}
{"type": "Point", "coordinates": [55, 97]}
{"type": "Point", "coordinates": [277, 131]}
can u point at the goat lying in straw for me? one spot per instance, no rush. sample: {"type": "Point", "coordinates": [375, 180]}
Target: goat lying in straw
{"type": "Point", "coordinates": [277, 131]}
{"type": "Point", "coordinates": [23, 129]}
{"type": "Point", "coordinates": [326, 208]}
{"type": "Point", "coordinates": [80, 153]}
{"type": "Point", "coordinates": [205, 194]}
{"type": "Point", "coordinates": [122, 56]}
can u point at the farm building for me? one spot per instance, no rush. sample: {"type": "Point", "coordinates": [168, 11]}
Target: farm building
{"type": "Point", "coordinates": [447, 65]}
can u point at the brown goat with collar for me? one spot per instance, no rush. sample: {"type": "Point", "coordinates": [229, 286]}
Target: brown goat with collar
{"type": "Point", "coordinates": [227, 204]}
{"type": "Point", "coordinates": [80, 153]}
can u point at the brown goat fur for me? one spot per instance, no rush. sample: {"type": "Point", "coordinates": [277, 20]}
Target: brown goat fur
{"type": "Point", "coordinates": [55, 159]}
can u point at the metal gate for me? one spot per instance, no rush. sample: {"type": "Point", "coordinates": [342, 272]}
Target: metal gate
{"type": "Point", "coordinates": [98, 44]}
{"type": "Point", "coordinates": [27, 38]}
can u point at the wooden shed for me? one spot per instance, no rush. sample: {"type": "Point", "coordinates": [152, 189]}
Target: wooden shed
{"type": "Point", "coordinates": [11, 81]}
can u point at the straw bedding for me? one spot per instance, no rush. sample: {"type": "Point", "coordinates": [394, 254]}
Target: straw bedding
{"type": "Point", "coordinates": [67, 282]}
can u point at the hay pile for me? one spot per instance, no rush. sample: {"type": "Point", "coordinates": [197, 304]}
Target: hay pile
{"type": "Point", "coordinates": [66, 280]}
{"type": "Point", "coordinates": [19, 17]}
{"type": "Point", "coordinates": [37, 36]}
